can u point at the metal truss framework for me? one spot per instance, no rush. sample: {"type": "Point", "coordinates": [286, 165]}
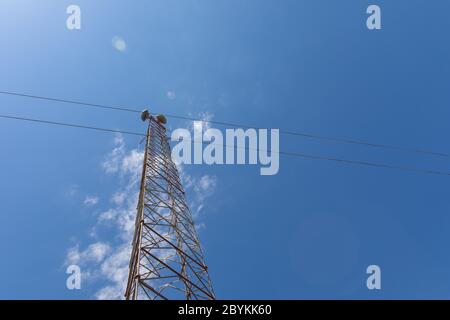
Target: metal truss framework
{"type": "Point", "coordinates": [167, 261]}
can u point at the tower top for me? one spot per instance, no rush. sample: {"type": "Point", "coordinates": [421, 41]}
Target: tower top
{"type": "Point", "coordinates": [161, 118]}
{"type": "Point", "coordinates": [145, 115]}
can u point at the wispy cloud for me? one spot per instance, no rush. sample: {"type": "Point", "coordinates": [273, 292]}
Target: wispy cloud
{"type": "Point", "coordinates": [72, 190]}
{"type": "Point", "coordinates": [171, 95]}
{"type": "Point", "coordinates": [207, 183]}
{"type": "Point", "coordinates": [113, 160]}
{"type": "Point", "coordinates": [90, 201]}
{"type": "Point", "coordinates": [115, 270]}
{"type": "Point", "coordinates": [108, 259]}
{"type": "Point", "coordinates": [204, 186]}
{"type": "Point", "coordinates": [201, 188]}
{"type": "Point", "coordinates": [203, 124]}
{"type": "Point", "coordinates": [118, 198]}
{"type": "Point", "coordinates": [95, 252]}
{"type": "Point", "coordinates": [119, 44]}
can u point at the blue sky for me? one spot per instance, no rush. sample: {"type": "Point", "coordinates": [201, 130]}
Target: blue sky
{"type": "Point", "coordinates": [308, 66]}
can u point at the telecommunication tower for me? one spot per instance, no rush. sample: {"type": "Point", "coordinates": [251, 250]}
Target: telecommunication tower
{"type": "Point", "coordinates": [167, 261]}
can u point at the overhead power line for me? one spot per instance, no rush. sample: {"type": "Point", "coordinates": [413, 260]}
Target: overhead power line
{"type": "Point", "coordinates": [71, 125]}
{"type": "Point", "coordinates": [292, 154]}
{"type": "Point", "coordinates": [80, 103]}
{"type": "Point", "coordinates": [232, 124]}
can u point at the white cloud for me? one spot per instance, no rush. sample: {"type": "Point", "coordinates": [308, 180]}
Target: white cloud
{"type": "Point", "coordinates": [118, 161]}
{"type": "Point", "coordinates": [73, 256]}
{"type": "Point", "coordinates": [91, 201]}
{"type": "Point", "coordinates": [110, 261]}
{"type": "Point", "coordinates": [114, 158]}
{"type": "Point", "coordinates": [171, 95]}
{"type": "Point", "coordinates": [207, 183]}
{"type": "Point", "coordinates": [108, 215]}
{"type": "Point", "coordinates": [119, 44]}
{"type": "Point", "coordinates": [72, 190]}
{"type": "Point", "coordinates": [98, 251]}
{"type": "Point", "coordinates": [107, 262]}
{"type": "Point", "coordinates": [200, 226]}
{"type": "Point", "coordinates": [118, 198]}
{"type": "Point", "coordinates": [115, 269]}
{"type": "Point", "coordinates": [132, 163]}
{"type": "Point", "coordinates": [203, 124]}
{"type": "Point", "coordinates": [203, 188]}
{"type": "Point", "coordinates": [199, 189]}
{"type": "Point", "coordinates": [95, 252]}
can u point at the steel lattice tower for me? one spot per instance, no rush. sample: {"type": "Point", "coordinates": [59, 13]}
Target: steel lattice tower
{"type": "Point", "coordinates": [167, 261]}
